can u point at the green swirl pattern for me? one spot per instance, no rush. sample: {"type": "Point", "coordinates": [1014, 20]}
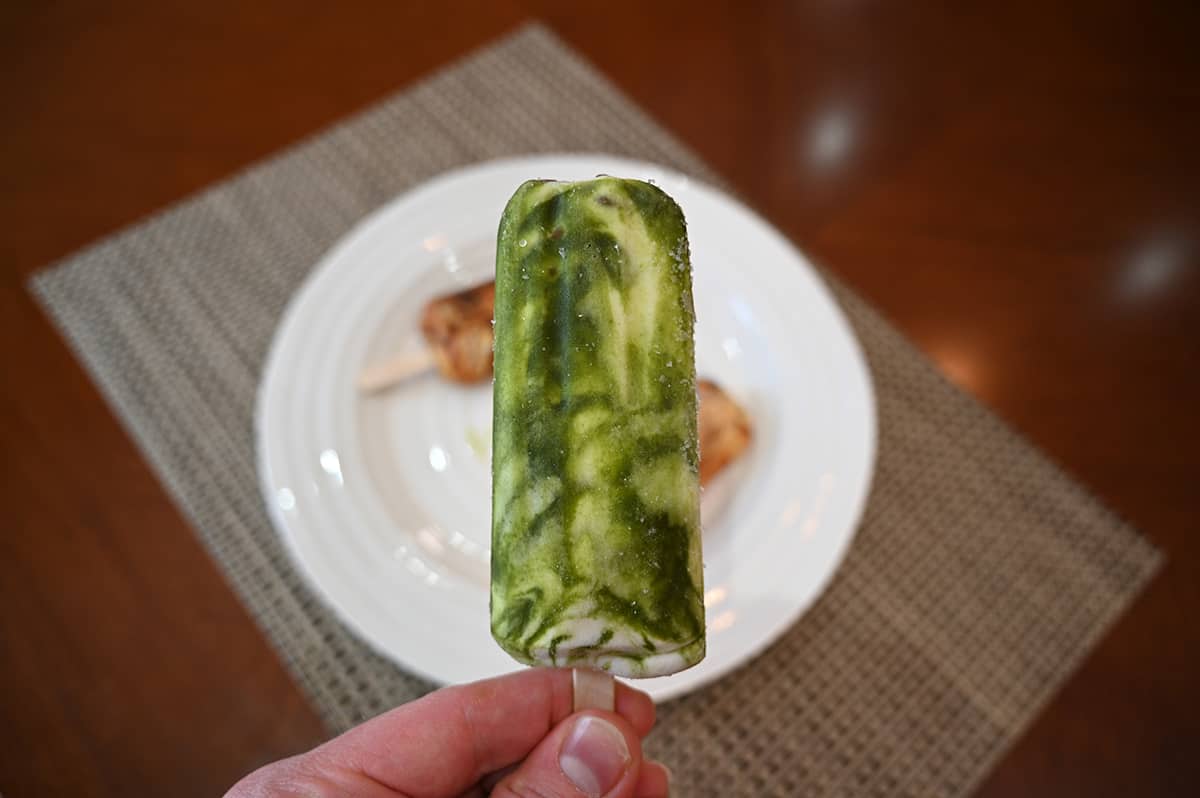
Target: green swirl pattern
{"type": "Point", "coordinates": [596, 554]}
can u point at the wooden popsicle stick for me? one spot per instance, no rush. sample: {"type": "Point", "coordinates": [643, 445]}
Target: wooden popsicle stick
{"type": "Point", "coordinates": [396, 370]}
{"type": "Point", "coordinates": [593, 690]}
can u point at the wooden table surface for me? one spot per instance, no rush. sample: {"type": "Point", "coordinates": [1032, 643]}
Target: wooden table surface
{"type": "Point", "coordinates": [1016, 185]}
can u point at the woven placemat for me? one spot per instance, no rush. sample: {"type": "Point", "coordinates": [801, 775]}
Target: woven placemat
{"type": "Point", "coordinates": [979, 579]}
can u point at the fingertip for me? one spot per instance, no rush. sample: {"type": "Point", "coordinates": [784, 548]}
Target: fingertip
{"type": "Point", "coordinates": [637, 707]}
{"type": "Point", "coordinates": [654, 781]}
{"type": "Point", "coordinates": [592, 753]}
{"type": "Point", "coordinates": [600, 751]}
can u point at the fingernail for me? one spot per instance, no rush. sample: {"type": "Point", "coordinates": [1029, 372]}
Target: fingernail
{"type": "Point", "coordinates": [594, 756]}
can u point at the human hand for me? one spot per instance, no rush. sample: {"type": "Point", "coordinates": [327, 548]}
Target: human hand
{"type": "Point", "coordinates": [509, 737]}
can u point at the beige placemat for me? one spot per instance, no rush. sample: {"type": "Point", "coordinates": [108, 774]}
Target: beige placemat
{"type": "Point", "coordinates": [979, 579]}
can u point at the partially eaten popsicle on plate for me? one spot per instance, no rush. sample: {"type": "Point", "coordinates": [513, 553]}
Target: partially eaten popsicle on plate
{"type": "Point", "coordinates": [596, 559]}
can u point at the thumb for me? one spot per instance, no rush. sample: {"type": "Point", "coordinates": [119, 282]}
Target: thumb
{"type": "Point", "coordinates": [593, 754]}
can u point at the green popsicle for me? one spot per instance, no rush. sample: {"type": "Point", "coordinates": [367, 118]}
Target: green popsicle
{"type": "Point", "coordinates": [596, 556]}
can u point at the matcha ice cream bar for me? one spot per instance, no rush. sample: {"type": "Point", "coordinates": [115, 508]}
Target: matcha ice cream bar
{"type": "Point", "coordinates": [595, 490]}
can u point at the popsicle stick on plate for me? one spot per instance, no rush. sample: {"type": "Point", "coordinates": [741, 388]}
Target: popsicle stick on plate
{"type": "Point", "coordinates": [457, 329]}
{"type": "Point", "coordinates": [396, 370]}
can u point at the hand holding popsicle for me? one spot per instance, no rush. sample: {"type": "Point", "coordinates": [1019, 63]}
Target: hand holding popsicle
{"type": "Point", "coordinates": [512, 736]}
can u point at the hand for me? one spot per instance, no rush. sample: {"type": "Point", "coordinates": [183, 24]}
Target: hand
{"type": "Point", "coordinates": [509, 737]}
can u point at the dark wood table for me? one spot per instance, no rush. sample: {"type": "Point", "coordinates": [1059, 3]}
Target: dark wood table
{"type": "Point", "coordinates": [1016, 185]}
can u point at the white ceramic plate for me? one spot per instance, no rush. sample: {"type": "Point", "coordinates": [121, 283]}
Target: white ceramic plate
{"type": "Point", "coordinates": [385, 501]}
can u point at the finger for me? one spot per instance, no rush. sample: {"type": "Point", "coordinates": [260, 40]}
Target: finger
{"type": "Point", "coordinates": [299, 775]}
{"type": "Point", "coordinates": [490, 781]}
{"type": "Point", "coordinates": [478, 791]}
{"type": "Point", "coordinates": [654, 781]}
{"type": "Point", "coordinates": [448, 740]}
{"type": "Point", "coordinates": [636, 707]}
{"type": "Point", "coordinates": [592, 754]}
